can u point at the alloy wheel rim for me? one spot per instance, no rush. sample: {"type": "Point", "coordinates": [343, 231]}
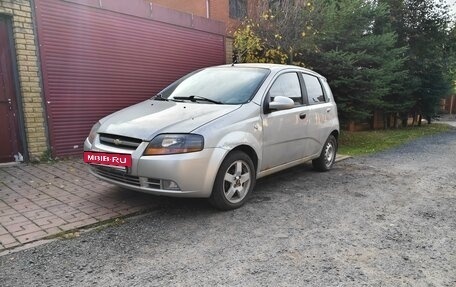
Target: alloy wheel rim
{"type": "Point", "coordinates": [329, 154]}
{"type": "Point", "coordinates": [236, 182]}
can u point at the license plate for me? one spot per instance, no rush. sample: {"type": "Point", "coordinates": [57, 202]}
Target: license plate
{"type": "Point", "coordinates": [111, 159]}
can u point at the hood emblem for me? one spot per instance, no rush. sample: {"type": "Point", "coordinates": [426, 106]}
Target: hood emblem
{"type": "Point", "coordinates": [117, 142]}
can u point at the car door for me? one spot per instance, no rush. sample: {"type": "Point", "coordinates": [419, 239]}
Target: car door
{"type": "Point", "coordinates": [283, 134]}
{"type": "Point", "coordinates": [321, 113]}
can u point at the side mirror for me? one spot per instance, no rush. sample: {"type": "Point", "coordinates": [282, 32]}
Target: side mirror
{"type": "Point", "coordinates": [281, 103]}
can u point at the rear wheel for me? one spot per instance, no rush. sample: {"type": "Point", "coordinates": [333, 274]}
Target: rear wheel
{"type": "Point", "coordinates": [328, 155]}
{"type": "Point", "coordinates": [234, 181]}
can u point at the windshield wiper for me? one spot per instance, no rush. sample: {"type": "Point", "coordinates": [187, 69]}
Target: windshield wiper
{"type": "Point", "coordinates": [194, 98]}
{"type": "Point", "coordinates": [159, 97]}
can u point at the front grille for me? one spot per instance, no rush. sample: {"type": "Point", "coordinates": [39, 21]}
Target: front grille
{"type": "Point", "coordinates": [116, 175]}
{"type": "Point", "coordinates": [120, 141]}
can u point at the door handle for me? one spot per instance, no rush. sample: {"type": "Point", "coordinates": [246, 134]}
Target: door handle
{"type": "Point", "coordinates": [302, 116]}
{"type": "Point", "coordinates": [328, 110]}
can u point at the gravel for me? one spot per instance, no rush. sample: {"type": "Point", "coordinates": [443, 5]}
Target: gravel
{"type": "Point", "coordinates": [383, 220]}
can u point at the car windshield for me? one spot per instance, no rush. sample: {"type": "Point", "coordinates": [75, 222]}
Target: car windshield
{"type": "Point", "coordinates": [221, 85]}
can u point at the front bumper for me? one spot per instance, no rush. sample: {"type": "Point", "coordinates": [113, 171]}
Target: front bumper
{"type": "Point", "coordinates": [194, 173]}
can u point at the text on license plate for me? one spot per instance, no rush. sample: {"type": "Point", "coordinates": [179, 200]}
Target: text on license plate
{"type": "Point", "coordinates": [115, 159]}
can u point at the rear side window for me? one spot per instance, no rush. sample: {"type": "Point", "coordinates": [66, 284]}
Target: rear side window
{"type": "Point", "coordinates": [314, 90]}
{"type": "Point", "coordinates": [287, 85]}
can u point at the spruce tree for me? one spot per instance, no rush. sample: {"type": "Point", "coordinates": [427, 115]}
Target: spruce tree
{"type": "Point", "coordinates": [422, 25]}
{"type": "Point", "coordinates": [360, 59]}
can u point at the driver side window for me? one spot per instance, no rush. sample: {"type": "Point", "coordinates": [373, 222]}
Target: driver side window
{"type": "Point", "coordinates": [287, 85]}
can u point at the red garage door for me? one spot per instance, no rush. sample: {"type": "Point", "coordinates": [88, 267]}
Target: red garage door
{"type": "Point", "coordinates": [99, 56]}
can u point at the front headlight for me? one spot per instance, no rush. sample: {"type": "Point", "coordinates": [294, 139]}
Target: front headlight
{"type": "Point", "coordinates": [174, 143]}
{"type": "Point", "coordinates": [93, 132]}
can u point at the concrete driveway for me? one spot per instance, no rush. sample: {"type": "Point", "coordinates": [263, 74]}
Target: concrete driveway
{"type": "Point", "coordinates": [447, 119]}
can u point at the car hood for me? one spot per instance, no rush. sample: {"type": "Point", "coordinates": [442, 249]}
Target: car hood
{"type": "Point", "coordinates": [149, 118]}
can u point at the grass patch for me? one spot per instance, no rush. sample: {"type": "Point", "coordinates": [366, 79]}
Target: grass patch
{"type": "Point", "coordinates": [366, 142]}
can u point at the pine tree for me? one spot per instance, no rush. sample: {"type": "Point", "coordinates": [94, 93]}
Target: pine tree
{"type": "Point", "coordinates": [360, 59]}
{"type": "Point", "coordinates": [422, 25]}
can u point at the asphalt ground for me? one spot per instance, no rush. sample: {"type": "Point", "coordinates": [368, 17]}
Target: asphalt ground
{"type": "Point", "coordinates": [387, 219]}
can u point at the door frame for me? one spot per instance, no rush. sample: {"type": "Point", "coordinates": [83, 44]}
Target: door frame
{"type": "Point", "coordinates": [20, 108]}
{"type": "Point", "coordinates": [293, 112]}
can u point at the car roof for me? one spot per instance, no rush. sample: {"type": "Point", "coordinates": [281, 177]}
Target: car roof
{"type": "Point", "coordinates": [272, 67]}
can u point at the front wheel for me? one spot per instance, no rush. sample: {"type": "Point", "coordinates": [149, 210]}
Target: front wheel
{"type": "Point", "coordinates": [234, 181]}
{"type": "Point", "coordinates": [328, 155]}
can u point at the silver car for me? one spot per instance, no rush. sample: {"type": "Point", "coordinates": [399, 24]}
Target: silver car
{"type": "Point", "coordinates": [212, 133]}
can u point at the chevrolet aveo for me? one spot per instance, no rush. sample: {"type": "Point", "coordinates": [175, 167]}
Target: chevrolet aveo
{"type": "Point", "coordinates": [212, 133]}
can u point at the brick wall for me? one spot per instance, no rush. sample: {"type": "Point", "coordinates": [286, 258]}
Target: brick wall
{"type": "Point", "coordinates": [218, 10]}
{"type": "Point", "coordinates": [24, 37]}
{"type": "Point", "coordinates": [195, 7]}
{"type": "Point", "coordinates": [229, 50]}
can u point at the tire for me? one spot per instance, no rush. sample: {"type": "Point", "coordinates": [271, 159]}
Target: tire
{"type": "Point", "coordinates": [234, 181]}
{"type": "Point", "coordinates": [328, 155]}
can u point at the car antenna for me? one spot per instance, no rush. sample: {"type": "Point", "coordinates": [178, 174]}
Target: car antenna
{"type": "Point", "coordinates": [234, 60]}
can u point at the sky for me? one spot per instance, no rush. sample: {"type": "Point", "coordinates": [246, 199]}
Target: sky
{"type": "Point", "coordinates": [452, 5]}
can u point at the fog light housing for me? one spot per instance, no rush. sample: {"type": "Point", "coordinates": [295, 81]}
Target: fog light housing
{"type": "Point", "coordinates": [170, 185]}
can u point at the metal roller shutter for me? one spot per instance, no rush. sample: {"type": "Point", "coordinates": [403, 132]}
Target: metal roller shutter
{"type": "Point", "coordinates": [96, 60]}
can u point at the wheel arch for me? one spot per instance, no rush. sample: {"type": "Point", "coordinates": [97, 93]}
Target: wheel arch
{"type": "Point", "coordinates": [335, 133]}
{"type": "Point", "coordinates": [248, 156]}
{"type": "Point", "coordinates": [249, 151]}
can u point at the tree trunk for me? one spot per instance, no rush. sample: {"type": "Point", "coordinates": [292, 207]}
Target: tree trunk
{"type": "Point", "coordinates": [395, 121]}
{"type": "Point", "coordinates": [414, 118]}
{"type": "Point", "coordinates": [419, 120]}
{"type": "Point", "coordinates": [291, 57]}
{"type": "Point", "coordinates": [404, 120]}
{"type": "Point", "coordinates": [351, 126]}
{"type": "Point", "coordinates": [385, 121]}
